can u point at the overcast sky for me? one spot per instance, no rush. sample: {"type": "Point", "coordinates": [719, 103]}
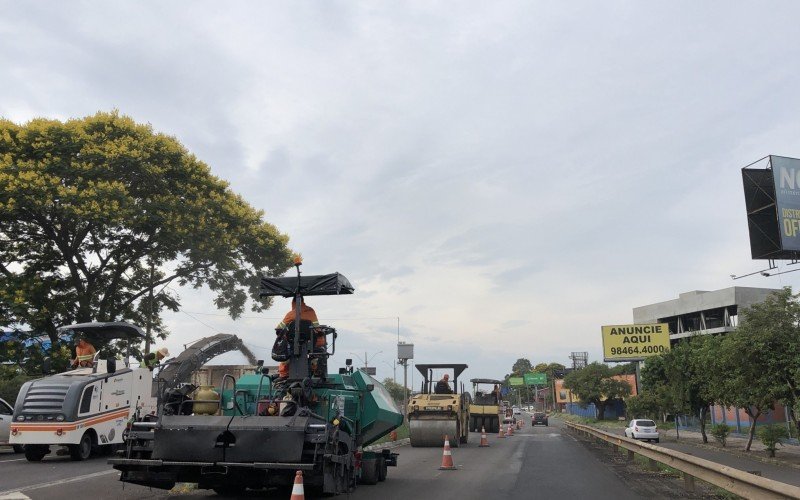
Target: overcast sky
{"type": "Point", "coordinates": [503, 177]}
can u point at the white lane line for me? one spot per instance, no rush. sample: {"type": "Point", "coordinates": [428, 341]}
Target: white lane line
{"type": "Point", "coordinates": [60, 481]}
{"type": "Point", "coordinates": [13, 460]}
{"type": "Point", "coordinates": [15, 495]}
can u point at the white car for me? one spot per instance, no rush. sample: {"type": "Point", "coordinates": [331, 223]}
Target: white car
{"type": "Point", "coordinates": [516, 410]}
{"type": "Point", "coordinates": [6, 413]}
{"type": "Point", "coordinates": [639, 428]}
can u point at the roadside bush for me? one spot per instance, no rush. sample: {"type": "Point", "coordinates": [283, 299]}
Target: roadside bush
{"type": "Point", "coordinates": [771, 435]}
{"type": "Point", "coordinates": [720, 433]}
{"type": "Point", "coordinates": [9, 388]}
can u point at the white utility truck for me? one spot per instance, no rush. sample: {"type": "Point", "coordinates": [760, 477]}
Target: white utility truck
{"type": "Point", "coordinates": [85, 409]}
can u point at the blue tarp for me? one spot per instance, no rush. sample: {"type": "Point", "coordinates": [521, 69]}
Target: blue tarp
{"type": "Point", "coordinates": [29, 340]}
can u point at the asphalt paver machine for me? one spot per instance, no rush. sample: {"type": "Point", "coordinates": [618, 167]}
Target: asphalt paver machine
{"type": "Point", "coordinates": [265, 429]}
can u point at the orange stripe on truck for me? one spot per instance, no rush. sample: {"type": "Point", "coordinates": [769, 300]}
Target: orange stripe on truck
{"type": "Point", "coordinates": [69, 426]}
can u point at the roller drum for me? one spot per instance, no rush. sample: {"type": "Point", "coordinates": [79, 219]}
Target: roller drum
{"type": "Point", "coordinates": [432, 432]}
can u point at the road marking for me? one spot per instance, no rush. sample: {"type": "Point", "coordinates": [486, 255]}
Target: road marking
{"type": "Point", "coordinates": [60, 481]}
{"type": "Point", "coordinates": [13, 460]}
{"type": "Point", "coordinates": [15, 495]}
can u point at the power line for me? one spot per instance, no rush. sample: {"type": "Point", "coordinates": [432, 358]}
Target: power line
{"type": "Point", "coordinates": [281, 317]}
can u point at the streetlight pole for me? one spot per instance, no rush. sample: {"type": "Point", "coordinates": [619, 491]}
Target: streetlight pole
{"type": "Point", "coordinates": [394, 370]}
{"type": "Point", "coordinates": [365, 359]}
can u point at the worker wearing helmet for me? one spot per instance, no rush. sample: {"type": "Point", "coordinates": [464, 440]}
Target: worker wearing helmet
{"type": "Point", "coordinates": [152, 359]}
{"type": "Point", "coordinates": [84, 353]}
{"type": "Point", "coordinates": [443, 386]}
{"type": "Point", "coordinates": [307, 314]}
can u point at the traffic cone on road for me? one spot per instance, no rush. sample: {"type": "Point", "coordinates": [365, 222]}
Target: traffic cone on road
{"type": "Point", "coordinates": [519, 424]}
{"type": "Point", "coordinates": [484, 440]}
{"type": "Point", "coordinates": [502, 433]}
{"type": "Point", "coordinates": [297, 489]}
{"type": "Point", "coordinates": [447, 456]}
{"type": "Point", "coordinates": [509, 430]}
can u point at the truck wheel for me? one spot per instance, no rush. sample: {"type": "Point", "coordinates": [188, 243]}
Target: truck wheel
{"type": "Point", "coordinates": [369, 471]}
{"type": "Point", "coordinates": [82, 450]}
{"type": "Point", "coordinates": [383, 469]}
{"type": "Point", "coordinates": [36, 452]}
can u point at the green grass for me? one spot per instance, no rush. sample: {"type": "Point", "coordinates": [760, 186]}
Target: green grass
{"type": "Point", "coordinates": [402, 433]}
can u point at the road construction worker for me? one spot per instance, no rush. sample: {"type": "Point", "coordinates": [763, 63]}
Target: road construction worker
{"type": "Point", "coordinates": [307, 314]}
{"type": "Point", "coordinates": [152, 359]}
{"type": "Point", "coordinates": [443, 386]}
{"type": "Point", "coordinates": [84, 353]}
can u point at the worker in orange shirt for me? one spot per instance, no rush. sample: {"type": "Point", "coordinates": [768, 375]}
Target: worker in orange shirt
{"type": "Point", "coordinates": [306, 313]}
{"type": "Point", "coordinates": [84, 353]}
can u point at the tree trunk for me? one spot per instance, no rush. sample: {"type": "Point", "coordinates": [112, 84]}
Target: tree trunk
{"type": "Point", "coordinates": [703, 411]}
{"type": "Point", "coordinates": [795, 420]}
{"type": "Point", "coordinates": [753, 418]}
{"type": "Point", "coordinates": [601, 409]}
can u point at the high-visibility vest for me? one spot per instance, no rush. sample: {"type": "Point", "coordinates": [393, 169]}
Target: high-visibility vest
{"type": "Point", "coordinates": [85, 355]}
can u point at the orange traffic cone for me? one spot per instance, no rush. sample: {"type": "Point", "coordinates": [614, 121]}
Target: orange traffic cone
{"type": "Point", "coordinates": [519, 424]}
{"type": "Point", "coordinates": [484, 441]}
{"type": "Point", "coordinates": [447, 457]}
{"type": "Point", "coordinates": [502, 433]}
{"type": "Point", "coordinates": [297, 489]}
{"type": "Point", "coordinates": [509, 432]}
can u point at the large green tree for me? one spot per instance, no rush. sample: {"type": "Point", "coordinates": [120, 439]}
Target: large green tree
{"type": "Point", "coordinates": [758, 364]}
{"type": "Point", "coordinates": [521, 366]}
{"type": "Point", "coordinates": [595, 384]}
{"type": "Point", "coordinates": [678, 380]}
{"type": "Point", "coordinates": [98, 215]}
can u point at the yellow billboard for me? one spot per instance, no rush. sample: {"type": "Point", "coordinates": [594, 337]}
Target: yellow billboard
{"type": "Point", "coordinates": [634, 342]}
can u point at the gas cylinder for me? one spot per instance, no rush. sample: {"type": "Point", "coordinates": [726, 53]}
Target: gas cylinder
{"type": "Point", "coordinates": [206, 392]}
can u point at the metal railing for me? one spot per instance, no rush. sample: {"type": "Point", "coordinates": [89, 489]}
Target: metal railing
{"type": "Point", "coordinates": [741, 483]}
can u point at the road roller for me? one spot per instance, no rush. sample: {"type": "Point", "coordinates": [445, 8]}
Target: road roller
{"type": "Point", "coordinates": [441, 408]}
{"type": "Point", "coordinates": [484, 412]}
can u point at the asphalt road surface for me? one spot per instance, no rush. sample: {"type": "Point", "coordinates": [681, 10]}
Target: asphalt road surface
{"type": "Point", "coordinates": [540, 463]}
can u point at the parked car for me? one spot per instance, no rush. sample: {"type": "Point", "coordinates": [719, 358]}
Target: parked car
{"type": "Point", "coordinates": [6, 413]}
{"type": "Point", "coordinates": [642, 429]}
{"type": "Point", "coordinates": [539, 418]}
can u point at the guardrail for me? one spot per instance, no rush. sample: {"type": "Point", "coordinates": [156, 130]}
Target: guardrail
{"type": "Point", "coordinates": [733, 480]}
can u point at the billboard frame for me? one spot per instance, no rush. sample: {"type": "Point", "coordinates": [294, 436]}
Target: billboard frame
{"type": "Point", "coordinates": [771, 209]}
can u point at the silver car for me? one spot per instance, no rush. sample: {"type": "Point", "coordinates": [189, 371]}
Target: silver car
{"type": "Point", "coordinates": [6, 414]}
{"type": "Point", "coordinates": [639, 428]}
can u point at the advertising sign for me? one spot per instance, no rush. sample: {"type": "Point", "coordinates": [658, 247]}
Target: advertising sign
{"type": "Point", "coordinates": [535, 378]}
{"type": "Point", "coordinates": [634, 342]}
{"type": "Point", "coordinates": [786, 175]}
{"type": "Point", "coordinates": [516, 381]}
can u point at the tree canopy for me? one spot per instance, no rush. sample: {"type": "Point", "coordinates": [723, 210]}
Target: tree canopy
{"type": "Point", "coordinates": [595, 384]}
{"type": "Point", "coordinates": [98, 213]}
{"type": "Point", "coordinates": [522, 365]}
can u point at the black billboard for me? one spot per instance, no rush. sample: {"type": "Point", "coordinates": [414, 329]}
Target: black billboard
{"type": "Point", "coordinates": [772, 200]}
